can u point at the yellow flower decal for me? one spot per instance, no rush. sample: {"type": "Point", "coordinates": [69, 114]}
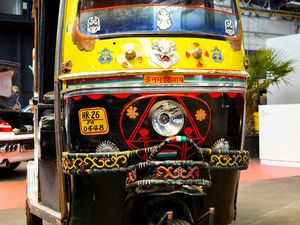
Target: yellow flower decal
{"type": "Point", "coordinates": [200, 115]}
{"type": "Point", "coordinates": [132, 113]}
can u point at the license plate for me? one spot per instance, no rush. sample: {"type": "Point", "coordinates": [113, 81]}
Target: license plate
{"type": "Point", "coordinates": [93, 121]}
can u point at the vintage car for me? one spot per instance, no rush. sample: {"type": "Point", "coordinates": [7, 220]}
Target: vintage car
{"type": "Point", "coordinates": [16, 124]}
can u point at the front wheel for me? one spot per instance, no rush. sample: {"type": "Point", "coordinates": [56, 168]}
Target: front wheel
{"type": "Point", "coordinates": [32, 219]}
{"type": "Point", "coordinates": [179, 222]}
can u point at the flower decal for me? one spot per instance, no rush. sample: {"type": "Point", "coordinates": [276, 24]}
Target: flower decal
{"type": "Point", "coordinates": [132, 113]}
{"type": "Point", "coordinates": [200, 115]}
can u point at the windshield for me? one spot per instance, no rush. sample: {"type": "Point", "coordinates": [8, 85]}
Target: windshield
{"type": "Point", "coordinates": [99, 17]}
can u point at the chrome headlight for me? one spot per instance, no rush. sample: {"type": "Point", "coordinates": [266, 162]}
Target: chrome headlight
{"type": "Point", "coordinates": [167, 117]}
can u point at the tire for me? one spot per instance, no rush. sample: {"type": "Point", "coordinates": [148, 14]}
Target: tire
{"type": "Point", "coordinates": [32, 219]}
{"type": "Point", "coordinates": [179, 222]}
{"type": "Point", "coordinates": [12, 166]}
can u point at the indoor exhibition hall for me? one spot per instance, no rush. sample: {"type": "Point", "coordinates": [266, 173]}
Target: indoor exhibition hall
{"type": "Point", "coordinates": [149, 112]}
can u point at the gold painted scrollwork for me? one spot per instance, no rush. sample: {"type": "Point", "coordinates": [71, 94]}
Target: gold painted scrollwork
{"type": "Point", "coordinates": [227, 160]}
{"type": "Point", "coordinates": [70, 164]}
{"type": "Point", "coordinates": [87, 163]}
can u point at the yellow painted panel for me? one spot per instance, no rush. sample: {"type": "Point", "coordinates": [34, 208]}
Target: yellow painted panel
{"type": "Point", "coordinates": [109, 54]}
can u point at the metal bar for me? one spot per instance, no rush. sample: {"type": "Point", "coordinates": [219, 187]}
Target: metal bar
{"type": "Point", "coordinates": [211, 216]}
{"type": "Point", "coordinates": [272, 12]}
{"type": "Point", "coordinates": [58, 140]}
{"type": "Point", "coordinates": [58, 119]}
{"type": "Point", "coordinates": [201, 218]}
{"type": "Point", "coordinates": [169, 89]}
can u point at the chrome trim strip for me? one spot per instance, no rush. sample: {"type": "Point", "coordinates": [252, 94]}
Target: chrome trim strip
{"type": "Point", "coordinates": [36, 153]}
{"type": "Point", "coordinates": [57, 101]}
{"type": "Point", "coordinates": [36, 207]}
{"type": "Point", "coordinates": [150, 71]}
{"type": "Point", "coordinates": [87, 90]}
{"type": "Point", "coordinates": [130, 84]}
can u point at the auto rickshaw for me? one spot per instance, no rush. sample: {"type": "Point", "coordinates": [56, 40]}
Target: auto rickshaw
{"type": "Point", "coordinates": [139, 112]}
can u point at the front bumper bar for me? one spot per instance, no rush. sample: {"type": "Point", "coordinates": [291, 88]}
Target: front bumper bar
{"type": "Point", "coordinates": [124, 161]}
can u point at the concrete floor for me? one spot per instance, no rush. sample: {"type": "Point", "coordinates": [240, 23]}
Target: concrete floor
{"type": "Point", "coordinates": [269, 202]}
{"type": "Point", "coordinates": [264, 202]}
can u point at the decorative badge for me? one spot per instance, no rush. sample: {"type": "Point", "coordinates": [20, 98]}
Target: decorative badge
{"type": "Point", "coordinates": [164, 21]}
{"type": "Point", "coordinates": [217, 55]}
{"type": "Point", "coordinates": [229, 27]}
{"type": "Point", "coordinates": [105, 56]}
{"type": "Point", "coordinates": [93, 25]}
{"type": "Point", "coordinates": [164, 53]}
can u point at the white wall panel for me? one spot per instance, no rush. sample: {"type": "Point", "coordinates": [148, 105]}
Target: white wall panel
{"type": "Point", "coordinates": [286, 94]}
{"type": "Point", "coordinates": [279, 135]}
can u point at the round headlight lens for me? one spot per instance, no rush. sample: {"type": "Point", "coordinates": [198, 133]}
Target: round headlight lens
{"type": "Point", "coordinates": [167, 117]}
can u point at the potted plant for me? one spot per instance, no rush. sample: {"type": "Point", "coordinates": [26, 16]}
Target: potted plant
{"type": "Point", "coordinates": [266, 67]}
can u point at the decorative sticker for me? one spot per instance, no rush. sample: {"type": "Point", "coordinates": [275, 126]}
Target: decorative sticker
{"type": "Point", "coordinates": [93, 24]}
{"type": "Point", "coordinates": [187, 54]}
{"type": "Point", "coordinates": [217, 55]}
{"type": "Point", "coordinates": [206, 54]}
{"type": "Point", "coordinates": [69, 27]}
{"type": "Point", "coordinates": [105, 56]}
{"type": "Point", "coordinates": [164, 21]}
{"type": "Point", "coordinates": [93, 121]}
{"type": "Point", "coordinates": [164, 53]}
{"type": "Point", "coordinates": [229, 27]}
{"type": "Point", "coordinates": [200, 115]}
{"type": "Point", "coordinates": [199, 64]}
{"type": "Point", "coordinates": [132, 112]}
{"type": "Point", "coordinates": [159, 79]}
{"type": "Point", "coordinates": [140, 59]}
{"type": "Point", "coordinates": [123, 61]}
{"type": "Point", "coordinates": [125, 64]}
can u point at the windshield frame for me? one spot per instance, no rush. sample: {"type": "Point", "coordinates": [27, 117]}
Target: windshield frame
{"type": "Point", "coordinates": [152, 33]}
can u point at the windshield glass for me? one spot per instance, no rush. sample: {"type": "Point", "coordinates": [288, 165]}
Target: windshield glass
{"type": "Point", "coordinates": [98, 17]}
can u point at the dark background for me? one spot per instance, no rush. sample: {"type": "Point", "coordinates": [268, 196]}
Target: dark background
{"type": "Point", "coordinates": [16, 42]}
